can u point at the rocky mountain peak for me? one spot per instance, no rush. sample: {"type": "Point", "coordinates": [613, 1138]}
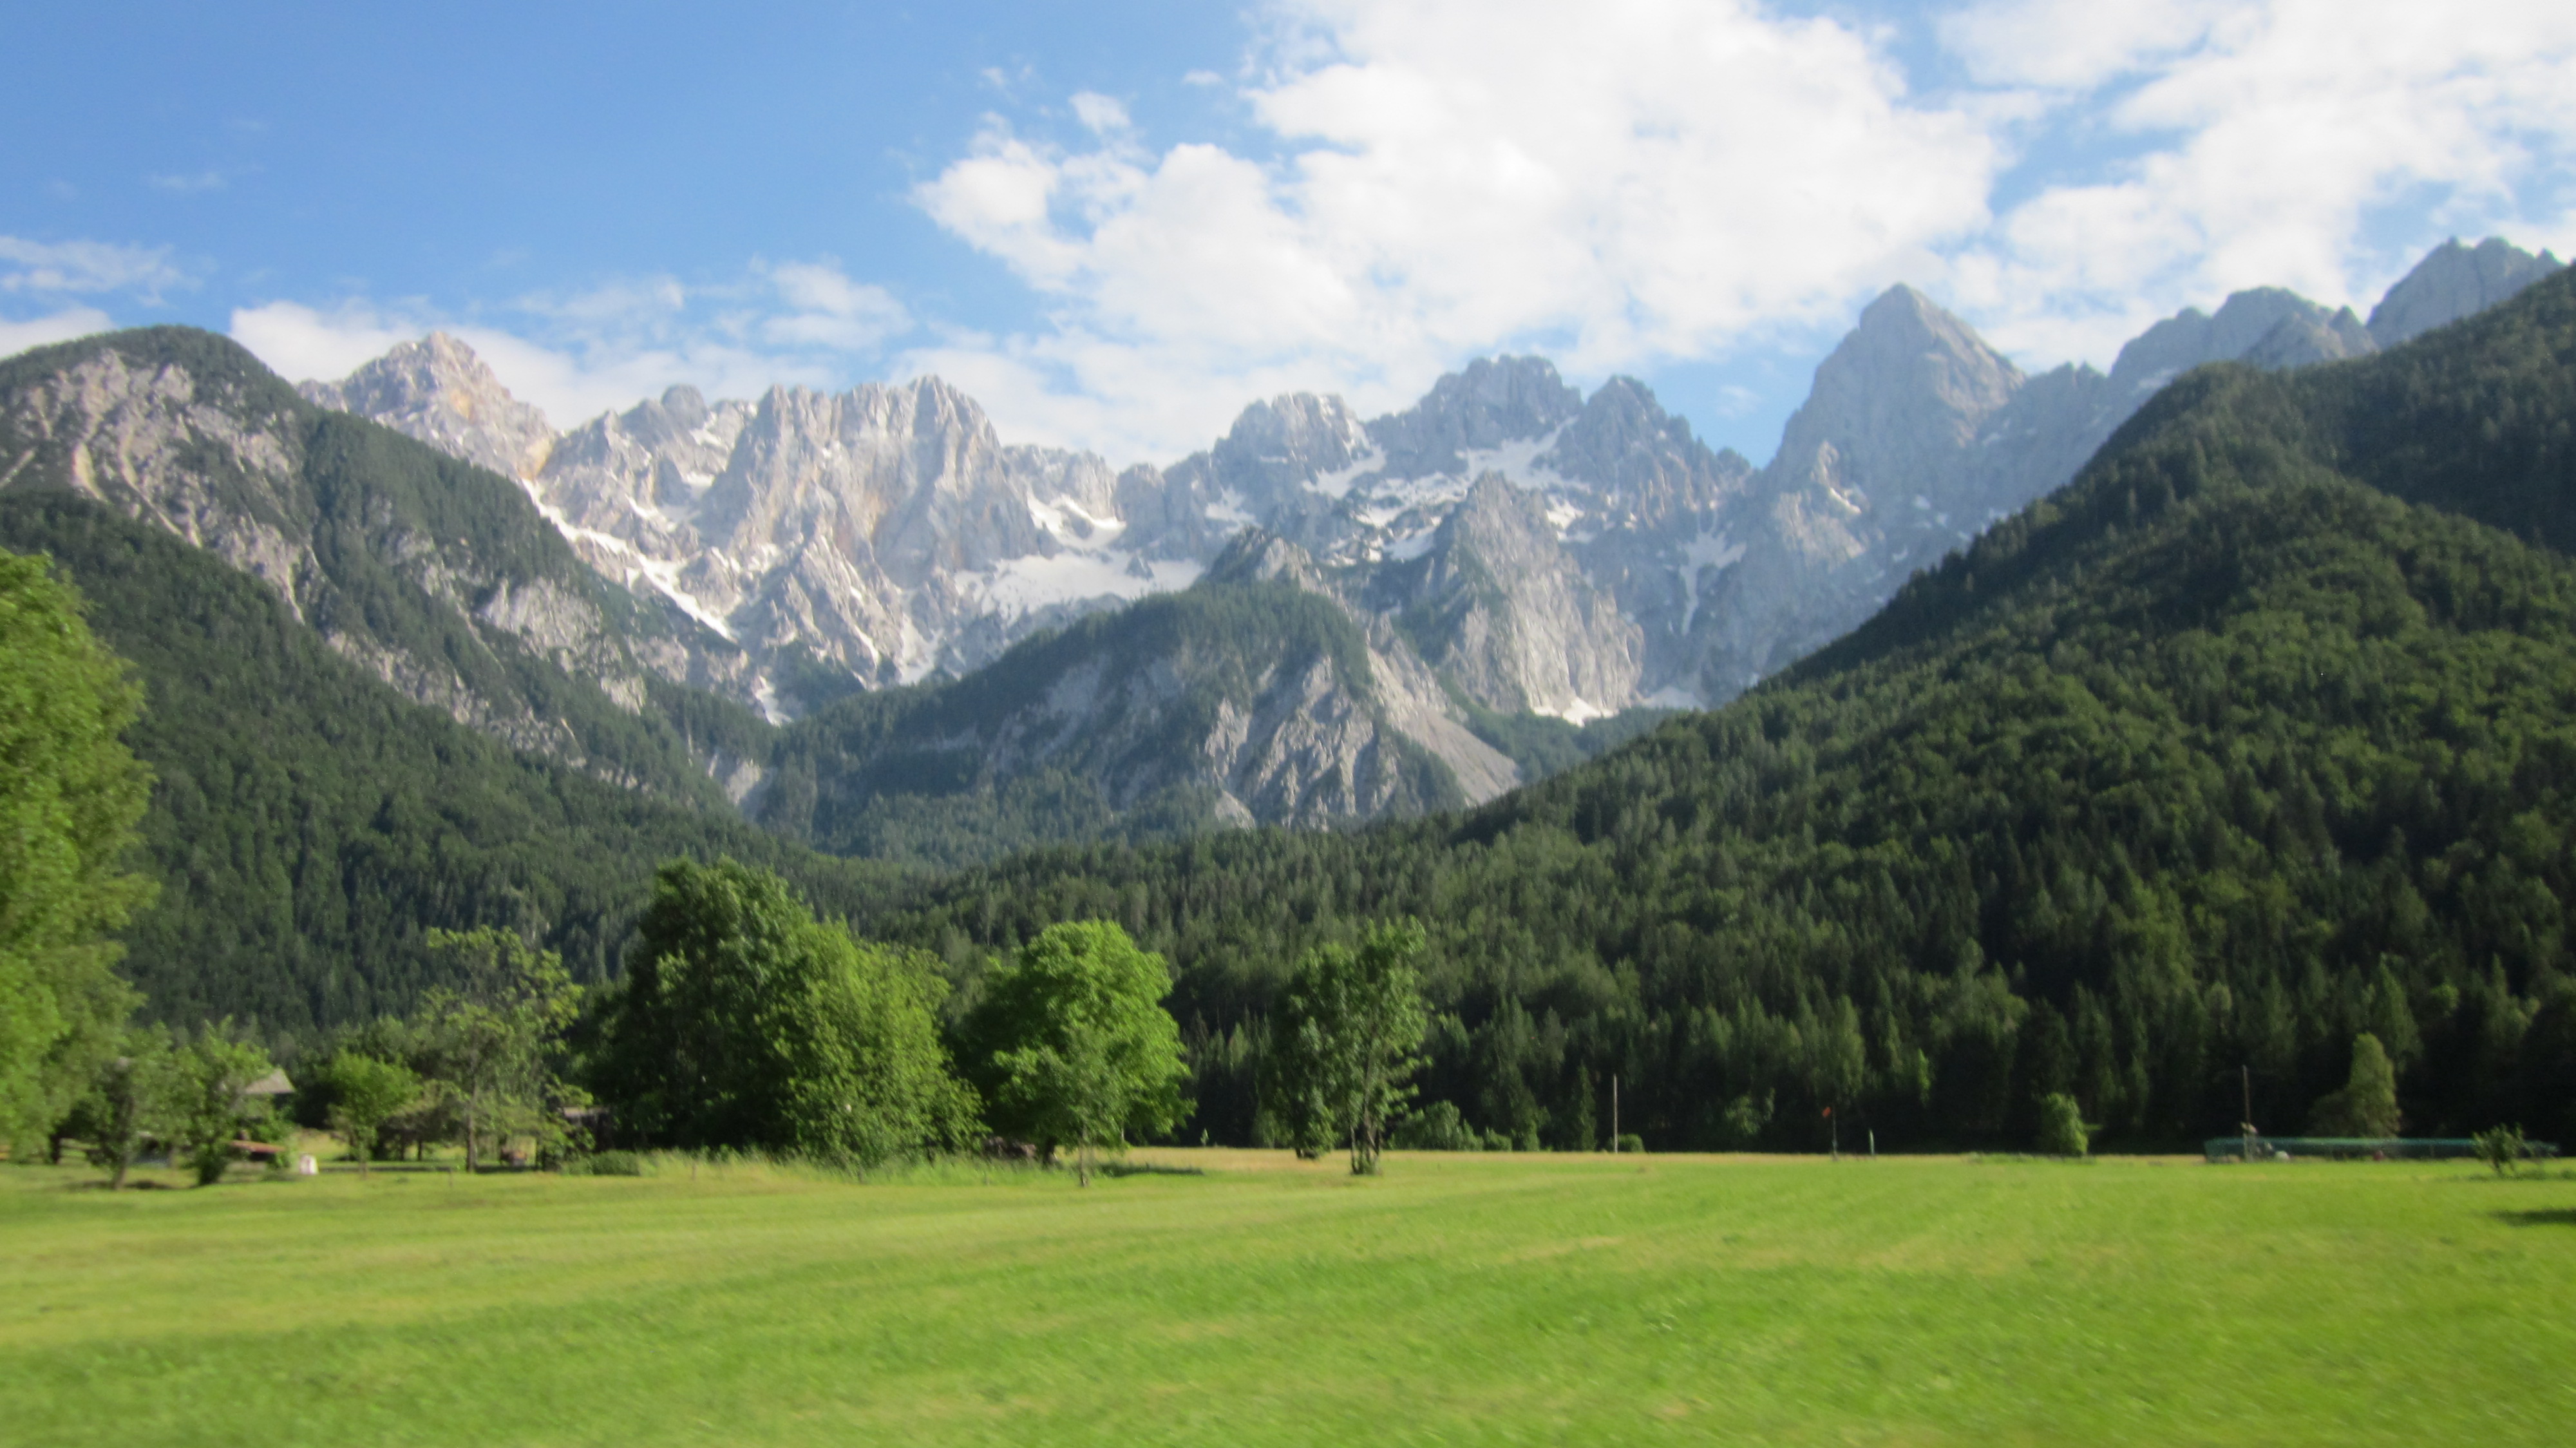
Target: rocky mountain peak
{"type": "Point", "coordinates": [2305, 338]}
{"type": "Point", "coordinates": [1644, 458]}
{"type": "Point", "coordinates": [1894, 402]}
{"type": "Point", "coordinates": [1501, 608]}
{"type": "Point", "coordinates": [1495, 400]}
{"type": "Point", "coordinates": [2299, 330]}
{"type": "Point", "coordinates": [1278, 445]}
{"type": "Point", "coordinates": [2455, 281]}
{"type": "Point", "coordinates": [1257, 555]}
{"type": "Point", "coordinates": [437, 390]}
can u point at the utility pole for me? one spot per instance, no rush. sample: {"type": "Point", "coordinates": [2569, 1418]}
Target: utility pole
{"type": "Point", "coordinates": [1836, 1128]}
{"type": "Point", "coordinates": [1614, 1114]}
{"type": "Point", "coordinates": [2247, 1074]}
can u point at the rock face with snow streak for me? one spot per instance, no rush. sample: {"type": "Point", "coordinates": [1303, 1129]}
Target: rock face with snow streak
{"type": "Point", "coordinates": [1500, 609]}
{"type": "Point", "coordinates": [436, 578]}
{"type": "Point", "coordinates": [1507, 538]}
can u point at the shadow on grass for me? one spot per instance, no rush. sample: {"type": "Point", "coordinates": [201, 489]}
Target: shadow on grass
{"type": "Point", "coordinates": [2547, 1217]}
{"type": "Point", "coordinates": [1146, 1168]}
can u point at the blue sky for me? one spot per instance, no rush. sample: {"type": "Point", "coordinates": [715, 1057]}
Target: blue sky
{"type": "Point", "coordinates": [1117, 223]}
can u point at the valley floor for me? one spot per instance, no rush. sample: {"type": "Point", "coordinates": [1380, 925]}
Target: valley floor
{"type": "Point", "coordinates": [1239, 1297]}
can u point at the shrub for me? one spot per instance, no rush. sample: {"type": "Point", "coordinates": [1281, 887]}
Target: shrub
{"type": "Point", "coordinates": [2502, 1148]}
{"type": "Point", "coordinates": [1631, 1142]}
{"type": "Point", "coordinates": [2061, 1126]}
{"type": "Point", "coordinates": [1436, 1127]}
{"type": "Point", "coordinates": [606, 1163]}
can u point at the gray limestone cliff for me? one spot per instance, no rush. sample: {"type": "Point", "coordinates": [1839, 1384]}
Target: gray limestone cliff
{"type": "Point", "coordinates": [2455, 281]}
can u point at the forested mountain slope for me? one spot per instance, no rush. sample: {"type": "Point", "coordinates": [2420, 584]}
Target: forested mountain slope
{"type": "Point", "coordinates": [434, 575]}
{"type": "Point", "coordinates": [2222, 754]}
{"type": "Point", "coordinates": [308, 822]}
{"type": "Point", "coordinates": [1215, 706]}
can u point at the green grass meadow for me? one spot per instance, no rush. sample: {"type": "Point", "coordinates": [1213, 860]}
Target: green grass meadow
{"type": "Point", "coordinates": [1240, 1298]}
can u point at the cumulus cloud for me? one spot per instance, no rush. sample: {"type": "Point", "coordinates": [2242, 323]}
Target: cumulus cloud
{"type": "Point", "coordinates": [2272, 143]}
{"type": "Point", "coordinates": [576, 355]}
{"type": "Point", "coordinates": [1648, 183]}
{"type": "Point", "coordinates": [1661, 179]}
{"type": "Point", "coordinates": [303, 344]}
{"type": "Point", "coordinates": [62, 326]}
{"type": "Point", "coordinates": [1675, 180]}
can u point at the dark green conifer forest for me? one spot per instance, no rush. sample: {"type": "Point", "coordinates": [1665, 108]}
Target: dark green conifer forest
{"type": "Point", "coordinates": [2258, 737]}
{"type": "Point", "coordinates": [2252, 739]}
{"type": "Point", "coordinates": [309, 824]}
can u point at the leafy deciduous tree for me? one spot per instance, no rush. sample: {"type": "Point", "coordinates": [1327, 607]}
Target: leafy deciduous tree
{"type": "Point", "coordinates": [493, 1042]}
{"type": "Point", "coordinates": [2061, 1126]}
{"type": "Point", "coordinates": [1073, 1042]}
{"type": "Point", "coordinates": [744, 1021]}
{"type": "Point", "coordinates": [70, 794]}
{"type": "Point", "coordinates": [126, 1098]}
{"type": "Point", "coordinates": [209, 1105]}
{"type": "Point", "coordinates": [365, 1094]}
{"type": "Point", "coordinates": [1346, 1035]}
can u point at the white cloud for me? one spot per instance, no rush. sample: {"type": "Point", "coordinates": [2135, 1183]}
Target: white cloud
{"type": "Point", "coordinates": [1101, 115]}
{"type": "Point", "coordinates": [826, 309]}
{"type": "Point", "coordinates": [577, 355]}
{"type": "Point", "coordinates": [62, 326]}
{"type": "Point", "coordinates": [2272, 137]}
{"type": "Point", "coordinates": [1652, 181]}
{"type": "Point", "coordinates": [2063, 45]}
{"type": "Point", "coordinates": [1660, 179]}
{"type": "Point", "coordinates": [87, 266]}
{"type": "Point", "coordinates": [302, 344]}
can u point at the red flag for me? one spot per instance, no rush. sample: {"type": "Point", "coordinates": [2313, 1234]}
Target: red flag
{"type": "Point", "coordinates": [1829, 1111]}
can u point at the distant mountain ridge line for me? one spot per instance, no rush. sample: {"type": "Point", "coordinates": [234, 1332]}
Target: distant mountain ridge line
{"type": "Point", "coordinates": [1513, 559]}
{"type": "Point", "coordinates": [887, 531]}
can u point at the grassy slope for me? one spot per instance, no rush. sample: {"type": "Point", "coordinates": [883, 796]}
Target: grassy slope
{"type": "Point", "coordinates": [1459, 1299]}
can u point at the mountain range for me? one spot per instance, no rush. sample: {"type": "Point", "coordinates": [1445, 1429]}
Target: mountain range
{"type": "Point", "coordinates": [1536, 550]}
{"type": "Point", "coordinates": [2251, 736]}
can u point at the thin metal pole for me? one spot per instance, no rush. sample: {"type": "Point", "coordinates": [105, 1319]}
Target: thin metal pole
{"type": "Point", "coordinates": [2247, 1072]}
{"type": "Point", "coordinates": [1614, 1114]}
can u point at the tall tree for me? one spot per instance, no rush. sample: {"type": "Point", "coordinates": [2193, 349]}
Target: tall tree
{"type": "Point", "coordinates": [744, 1021]}
{"type": "Point", "coordinates": [2367, 1103]}
{"type": "Point", "coordinates": [1074, 1046]}
{"type": "Point", "coordinates": [70, 794]}
{"type": "Point", "coordinates": [1347, 1034]}
{"type": "Point", "coordinates": [493, 1042]}
{"type": "Point", "coordinates": [366, 1093]}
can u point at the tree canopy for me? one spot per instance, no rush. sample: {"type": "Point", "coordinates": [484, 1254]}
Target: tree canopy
{"type": "Point", "coordinates": [1071, 1043]}
{"type": "Point", "coordinates": [744, 1021]}
{"type": "Point", "coordinates": [1345, 1039]}
{"type": "Point", "coordinates": [70, 794]}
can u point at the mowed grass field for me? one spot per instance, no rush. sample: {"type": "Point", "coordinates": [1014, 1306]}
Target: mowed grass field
{"type": "Point", "coordinates": [1245, 1299]}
